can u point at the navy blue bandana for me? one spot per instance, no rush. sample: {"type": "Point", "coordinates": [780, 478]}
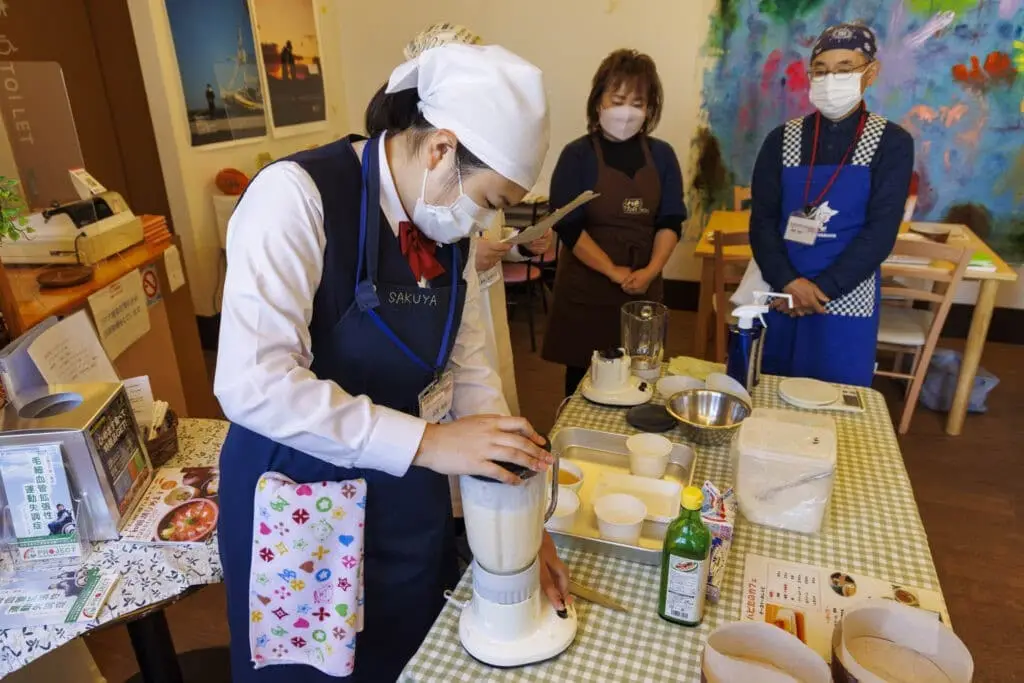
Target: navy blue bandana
{"type": "Point", "coordinates": [846, 37]}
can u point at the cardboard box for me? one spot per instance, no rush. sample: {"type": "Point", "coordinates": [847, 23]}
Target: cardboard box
{"type": "Point", "coordinates": [719, 515]}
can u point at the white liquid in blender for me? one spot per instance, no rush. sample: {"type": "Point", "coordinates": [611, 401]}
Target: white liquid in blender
{"type": "Point", "coordinates": [505, 538]}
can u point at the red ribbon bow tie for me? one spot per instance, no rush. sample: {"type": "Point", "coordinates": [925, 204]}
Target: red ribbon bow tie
{"type": "Point", "coordinates": [419, 252]}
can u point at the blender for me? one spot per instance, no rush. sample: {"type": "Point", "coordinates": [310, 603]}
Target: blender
{"type": "Point", "coordinates": [509, 621]}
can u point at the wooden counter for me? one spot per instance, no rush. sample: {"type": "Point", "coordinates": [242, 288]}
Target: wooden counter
{"type": "Point", "coordinates": [170, 353]}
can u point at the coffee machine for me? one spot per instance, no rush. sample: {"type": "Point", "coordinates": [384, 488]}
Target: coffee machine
{"type": "Point", "coordinates": [509, 621]}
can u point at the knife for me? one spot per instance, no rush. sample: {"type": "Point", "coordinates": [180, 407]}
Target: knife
{"type": "Point", "coordinates": [591, 595]}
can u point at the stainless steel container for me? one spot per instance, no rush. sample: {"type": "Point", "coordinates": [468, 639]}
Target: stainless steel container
{"type": "Point", "coordinates": [104, 452]}
{"type": "Point", "coordinates": [706, 417]}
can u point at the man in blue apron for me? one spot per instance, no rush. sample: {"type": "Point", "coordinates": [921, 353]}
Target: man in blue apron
{"type": "Point", "coordinates": [829, 191]}
{"type": "Point", "coordinates": [348, 331]}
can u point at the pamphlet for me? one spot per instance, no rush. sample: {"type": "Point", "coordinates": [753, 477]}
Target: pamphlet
{"type": "Point", "coordinates": [537, 231]}
{"type": "Point", "coordinates": [64, 598]}
{"type": "Point", "coordinates": [809, 601]}
{"type": "Point", "coordinates": [35, 488]}
{"type": "Point", "coordinates": [180, 506]}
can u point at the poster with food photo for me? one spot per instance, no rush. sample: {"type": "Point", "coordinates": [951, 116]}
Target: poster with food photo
{"type": "Point", "coordinates": [808, 601]}
{"type": "Point", "coordinates": [180, 506]}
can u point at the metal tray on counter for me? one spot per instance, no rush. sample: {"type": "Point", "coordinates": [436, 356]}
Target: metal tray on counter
{"type": "Point", "coordinates": [596, 452]}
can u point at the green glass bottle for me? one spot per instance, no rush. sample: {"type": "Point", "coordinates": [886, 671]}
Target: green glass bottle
{"type": "Point", "coordinates": [685, 563]}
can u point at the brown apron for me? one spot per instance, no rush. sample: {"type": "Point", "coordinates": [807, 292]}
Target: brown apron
{"type": "Point", "coordinates": [585, 312]}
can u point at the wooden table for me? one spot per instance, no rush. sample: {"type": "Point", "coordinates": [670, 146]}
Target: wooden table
{"type": "Point", "coordinates": [739, 221]}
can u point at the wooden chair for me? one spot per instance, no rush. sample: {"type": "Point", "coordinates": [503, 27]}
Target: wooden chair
{"type": "Point", "coordinates": [904, 328]}
{"type": "Point", "coordinates": [727, 275]}
{"type": "Point", "coordinates": [740, 198]}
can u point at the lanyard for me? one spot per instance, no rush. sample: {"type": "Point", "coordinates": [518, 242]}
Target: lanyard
{"type": "Point", "coordinates": [369, 225]}
{"type": "Point", "coordinates": [814, 156]}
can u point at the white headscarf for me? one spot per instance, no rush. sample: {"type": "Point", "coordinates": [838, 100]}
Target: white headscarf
{"type": "Point", "coordinates": [491, 99]}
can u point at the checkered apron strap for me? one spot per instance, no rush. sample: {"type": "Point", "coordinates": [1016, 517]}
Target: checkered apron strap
{"type": "Point", "coordinates": [874, 127]}
{"type": "Point", "coordinates": [860, 303]}
{"type": "Point", "coordinates": [791, 143]}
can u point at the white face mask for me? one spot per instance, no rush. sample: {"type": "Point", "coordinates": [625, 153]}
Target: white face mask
{"type": "Point", "coordinates": [622, 123]}
{"type": "Point", "coordinates": [449, 224]}
{"type": "Point", "coordinates": [836, 98]}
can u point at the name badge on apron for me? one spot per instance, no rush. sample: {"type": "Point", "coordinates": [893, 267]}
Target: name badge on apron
{"type": "Point", "coordinates": [802, 229]}
{"type": "Point", "coordinates": [490, 276]}
{"type": "Point", "coordinates": [436, 399]}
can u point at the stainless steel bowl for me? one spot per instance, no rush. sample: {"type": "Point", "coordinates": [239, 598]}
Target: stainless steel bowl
{"type": "Point", "coordinates": [708, 418]}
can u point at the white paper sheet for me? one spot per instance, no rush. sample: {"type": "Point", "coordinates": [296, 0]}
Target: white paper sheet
{"type": "Point", "coordinates": [140, 394]}
{"type": "Point", "coordinates": [121, 313]}
{"type": "Point", "coordinates": [527, 235]}
{"type": "Point", "coordinates": [175, 273]}
{"type": "Point", "coordinates": [69, 353]}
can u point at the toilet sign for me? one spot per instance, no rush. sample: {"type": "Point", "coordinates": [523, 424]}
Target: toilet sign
{"type": "Point", "coordinates": [151, 285]}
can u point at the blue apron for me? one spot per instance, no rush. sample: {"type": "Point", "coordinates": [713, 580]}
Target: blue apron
{"type": "Point", "coordinates": [374, 332]}
{"type": "Point", "coordinates": [838, 346]}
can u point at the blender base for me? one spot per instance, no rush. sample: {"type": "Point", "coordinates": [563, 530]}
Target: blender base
{"type": "Point", "coordinates": [550, 638]}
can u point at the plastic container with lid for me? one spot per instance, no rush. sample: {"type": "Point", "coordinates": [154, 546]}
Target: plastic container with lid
{"type": "Point", "coordinates": [784, 473]}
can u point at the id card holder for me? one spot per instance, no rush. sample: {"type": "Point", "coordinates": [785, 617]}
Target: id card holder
{"type": "Point", "coordinates": [802, 229]}
{"type": "Point", "coordinates": [436, 399]}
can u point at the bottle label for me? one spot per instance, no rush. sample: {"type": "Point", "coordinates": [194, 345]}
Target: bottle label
{"type": "Point", "coordinates": [687, 583]}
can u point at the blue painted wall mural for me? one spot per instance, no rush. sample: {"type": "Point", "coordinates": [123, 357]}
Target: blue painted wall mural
{"type": "Point", "coordinates": [952, 74]}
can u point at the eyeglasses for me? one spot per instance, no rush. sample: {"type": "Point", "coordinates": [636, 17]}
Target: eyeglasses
{"type": "Point", "coordinates": [843, 73]}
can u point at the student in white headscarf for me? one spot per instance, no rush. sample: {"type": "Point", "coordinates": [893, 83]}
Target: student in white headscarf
{"type": "Point", "coordinates": [351, 324]}
{"type": "Point", "coordinates": [490, 250]}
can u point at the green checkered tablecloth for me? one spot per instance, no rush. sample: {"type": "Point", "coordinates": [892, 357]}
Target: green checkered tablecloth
{"type": "Point", "coordinates": [874, 529]}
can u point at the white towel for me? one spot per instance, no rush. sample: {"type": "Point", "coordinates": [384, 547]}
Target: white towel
{"type": "Point", "coordinates": [306, 581]}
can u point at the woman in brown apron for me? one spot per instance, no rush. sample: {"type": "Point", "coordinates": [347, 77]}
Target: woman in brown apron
{"type": "Point", "coordinates": [615, 246]}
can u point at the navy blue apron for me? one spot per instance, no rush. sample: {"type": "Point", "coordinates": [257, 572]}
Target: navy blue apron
{"type": "Point", "coordinates": [374, 332]}
{"type": "Point", "coordinates": [838, 346]}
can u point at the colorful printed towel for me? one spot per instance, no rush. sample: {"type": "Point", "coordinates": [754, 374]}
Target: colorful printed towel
{"type": "Point", "coordinates": [306, 584]}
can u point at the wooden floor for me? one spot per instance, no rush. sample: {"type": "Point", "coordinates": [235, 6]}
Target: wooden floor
{"type": "Point", "coordinates": [970, 491]}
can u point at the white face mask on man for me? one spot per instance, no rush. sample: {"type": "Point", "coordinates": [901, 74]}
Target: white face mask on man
{"type": "Point", "coordinates": [623, 122]}
{"type": "Point", "coordinates": [449, 224]}
{"type": "Point", "coordinates": [836, 97]}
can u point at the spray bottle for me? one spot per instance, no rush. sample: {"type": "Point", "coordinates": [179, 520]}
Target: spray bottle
{"type": "Point", "coordinates": [746, 339]}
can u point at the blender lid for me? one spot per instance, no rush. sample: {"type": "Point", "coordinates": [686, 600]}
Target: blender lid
{"type": "Point", "coordinates": [520, 471]}
{"type": "Point", "coordinates": [523, 473]}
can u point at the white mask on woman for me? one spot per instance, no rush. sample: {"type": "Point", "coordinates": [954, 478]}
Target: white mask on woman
{"type": "Point", "coordinates": [449, 224]}
{"type": "Point", "coordinates": [623, 122]}
{"type": "Point", "coordinates": [836, 98]}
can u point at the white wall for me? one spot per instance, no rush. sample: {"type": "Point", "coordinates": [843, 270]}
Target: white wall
{"type": "Point", "coordinates": [189, 172]}
{"type": "Point", "coordinates": [567, 39]}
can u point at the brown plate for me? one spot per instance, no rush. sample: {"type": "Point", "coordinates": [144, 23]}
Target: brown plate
{"type": "Point", "coordinates": [64, 276]}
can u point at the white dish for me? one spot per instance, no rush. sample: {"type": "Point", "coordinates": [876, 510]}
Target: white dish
{"type": "Point", "coordinates": [564, 516]}
{"type": "Point", "coordinates": [718, 381]}
{"type": "Point", "coordinates": [808, 392]}
{"type": "Point", "coordinates": [620, 517]}
{"type": "Point", "coordinates": [670, 385]}
{"type": "Point", "coordinates": [648, 455]}
{"type": "Point", "coordinates": [636, 392]}
{"type": "Point", "coordinates": [572, 467]}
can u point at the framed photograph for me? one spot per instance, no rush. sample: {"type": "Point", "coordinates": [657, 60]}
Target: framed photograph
{"type": "Point", "coordinates": [217, 62]}
{"type": "Point", "coordinates": [289, 40]}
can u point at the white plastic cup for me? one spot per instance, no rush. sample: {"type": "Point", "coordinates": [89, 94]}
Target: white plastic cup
{"type": "Point", "coordinates": [575, 470]}
{"type": "Point", "coordinates": [620, 517]}
{"type": "Point", "coordinates": [648, 455]}
{"type": "Point", "coordinates": [564, 516]}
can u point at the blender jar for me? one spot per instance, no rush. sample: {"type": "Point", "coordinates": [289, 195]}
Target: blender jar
{"type": "Point", "coordinates": [644, 328]}
{"type": "Point", "coordinates": [505, 523]}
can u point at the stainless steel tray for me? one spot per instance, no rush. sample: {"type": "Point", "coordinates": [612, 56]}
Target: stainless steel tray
{"type": "Point", "coordinates": [597, 452]}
